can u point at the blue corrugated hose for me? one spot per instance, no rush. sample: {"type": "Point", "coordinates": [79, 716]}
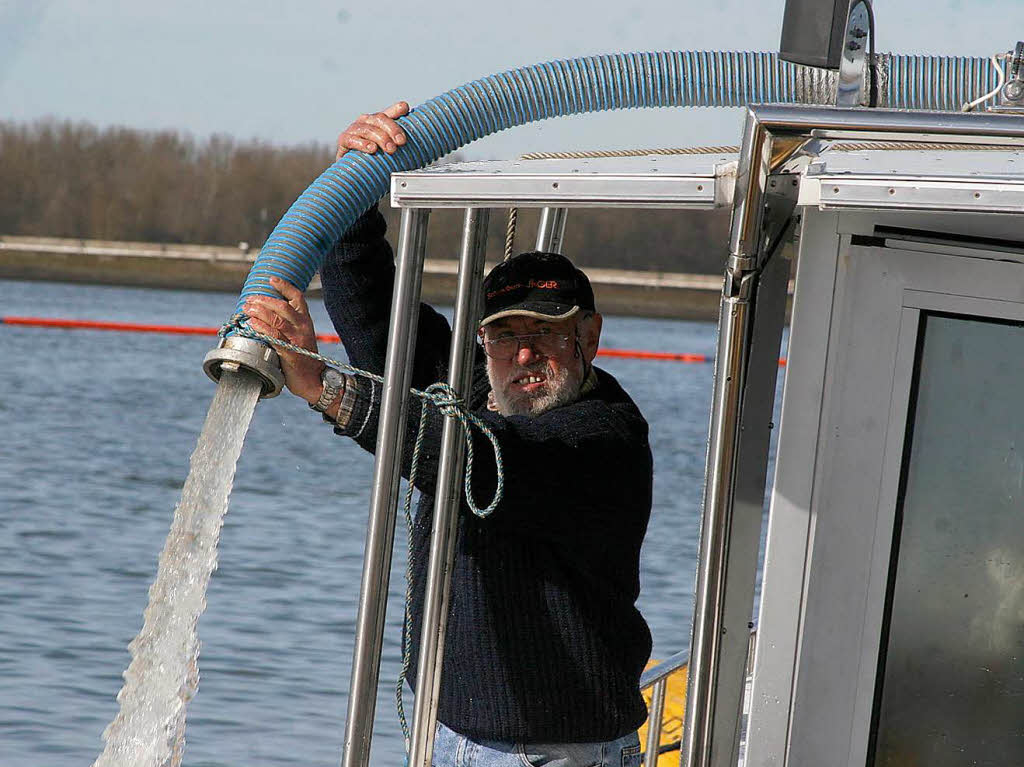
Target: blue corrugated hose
{"type": "Point", "coordinates": [296, 247]}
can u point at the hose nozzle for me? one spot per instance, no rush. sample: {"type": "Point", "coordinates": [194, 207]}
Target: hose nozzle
{"type": "Point", "coordinates": [237, 352]}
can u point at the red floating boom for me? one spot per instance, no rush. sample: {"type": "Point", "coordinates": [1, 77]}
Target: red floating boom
{"type": "Point", "coordinates": [636, 354]}
{"type": "Point", "coordinates": [184, 330]}
{"type": "Point", "coordinates": [127, 327]}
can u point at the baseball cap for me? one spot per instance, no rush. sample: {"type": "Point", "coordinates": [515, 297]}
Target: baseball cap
{"type": "Point", "coordinates": [536, 284]}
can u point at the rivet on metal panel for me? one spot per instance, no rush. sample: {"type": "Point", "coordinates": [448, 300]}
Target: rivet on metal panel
{"type": "Point", "coordinates": [554, 185]}
{"type": "Point", "coordinates": [892, 191]}
{"type": "Point", "coordinates": [700, 187]}
{"type": "Point", "coordinates": [835, 190]}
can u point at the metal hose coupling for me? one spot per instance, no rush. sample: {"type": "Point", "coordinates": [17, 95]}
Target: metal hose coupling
{"type": "Point", "coordinates": [236, 353]}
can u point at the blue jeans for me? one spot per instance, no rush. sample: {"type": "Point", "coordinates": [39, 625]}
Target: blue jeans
{"type": "Point", "coordinates": [454, 750]}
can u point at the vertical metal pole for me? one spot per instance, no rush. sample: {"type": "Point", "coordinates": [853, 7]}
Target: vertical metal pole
{"type": "Point", "coordinates": [362, 699]}
{"type": "Point", "coordinates": [551, 231]}
{"type": "Point", "coordinates": [705, 644]}
{"type": "Point", "coordinates": [654, 723]}
{"type": "Point", "coordinates": [449, 492]}
{"type": "Point", "coordinates": [737, 445]}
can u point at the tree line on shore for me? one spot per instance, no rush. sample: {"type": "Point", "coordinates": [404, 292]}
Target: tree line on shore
{"type": "Point", "coordinates": [72, 179]}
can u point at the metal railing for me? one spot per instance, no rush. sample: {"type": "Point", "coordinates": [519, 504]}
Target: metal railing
{"type": "Point", "coordinates": [656, 679]}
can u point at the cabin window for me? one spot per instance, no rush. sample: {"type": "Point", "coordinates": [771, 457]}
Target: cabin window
{"type": "Point", "coordinates": [951, 681]}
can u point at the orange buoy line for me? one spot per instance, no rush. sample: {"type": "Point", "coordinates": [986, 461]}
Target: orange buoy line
{"type": "Point", "coordinates": [127, 327]}
{"type": "Point", "coordinates": [135, 327]}
{"type": "Point", "coordinates": [131, 327]}
{"type": "Point", "coordinates": [636, 354]}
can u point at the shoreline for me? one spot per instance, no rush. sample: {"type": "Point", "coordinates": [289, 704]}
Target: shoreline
{"type": "Point", "coordinates": [223, 269]}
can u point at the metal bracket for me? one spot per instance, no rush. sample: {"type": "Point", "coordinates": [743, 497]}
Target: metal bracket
{"type": "Point", "coordinates": [853, 64]}
{"type": "Point", "coordinates": [780, 198]}
{"type": "Point", "coordinates": [738, 264]}
{"type": "Point", "coordinates": [780, 202]}
{"type": "Point", "coordinates": [1012, 94]}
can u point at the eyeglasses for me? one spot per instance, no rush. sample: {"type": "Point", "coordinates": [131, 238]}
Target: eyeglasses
{"type": "Point", "coordinates": [504, 348]}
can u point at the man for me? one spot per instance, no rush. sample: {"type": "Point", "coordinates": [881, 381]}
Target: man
{"type": "Point", "coordinates": [544, 645]}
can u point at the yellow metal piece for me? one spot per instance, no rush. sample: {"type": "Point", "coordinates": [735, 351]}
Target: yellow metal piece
{"type": "Point", "coordinates": [672, 716]}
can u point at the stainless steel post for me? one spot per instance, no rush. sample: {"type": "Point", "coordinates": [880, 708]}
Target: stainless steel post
{"type": "Point", "coordinates": [449, 491]}
{"type": "Point", "coordinates": [362, 699]}
{"type": "Point", "coordinates": [706, 635]}
{"type": "Point", "coordinates": [551, 231]}
{"type": "Point", "coordinates": [732, 523]}
{"type": "Point", "coordinates": [654, 723]}
{"type": "Point", "coordinates": [729, 537]}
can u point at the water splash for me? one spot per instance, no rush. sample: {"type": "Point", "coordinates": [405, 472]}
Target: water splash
{"type": "Point", "coordinates": [149, 730]}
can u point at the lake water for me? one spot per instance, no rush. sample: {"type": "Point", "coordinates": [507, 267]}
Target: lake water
{"type": "Point", "coordinates": [96, 429]}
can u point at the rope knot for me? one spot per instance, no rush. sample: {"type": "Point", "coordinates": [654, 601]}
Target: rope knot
{"type": "Point", "coordinates": [445, 399]}
{"type": "Point", "coordinates": [234, 324]}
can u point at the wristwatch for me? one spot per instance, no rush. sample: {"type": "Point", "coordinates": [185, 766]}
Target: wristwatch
{"type": "Point", "coordinates": [334, 384]}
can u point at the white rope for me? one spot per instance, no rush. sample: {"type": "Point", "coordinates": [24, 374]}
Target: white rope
{"type": "Point", "coordinates": [1002, 81]}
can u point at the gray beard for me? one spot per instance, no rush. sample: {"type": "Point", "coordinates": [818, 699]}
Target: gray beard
{"type": "Point", "coordinates": [559, 389]}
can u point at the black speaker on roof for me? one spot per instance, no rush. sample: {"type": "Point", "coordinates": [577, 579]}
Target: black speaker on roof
{"type": "Point", "coordinates": [813, 32]}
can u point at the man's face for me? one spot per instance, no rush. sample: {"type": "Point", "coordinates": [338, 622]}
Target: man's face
{"type": "Point", "coordinates": [536, 379]}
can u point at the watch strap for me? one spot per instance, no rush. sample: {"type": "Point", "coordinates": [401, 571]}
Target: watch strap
{"type": "Point", "coordinates": [330, 392]}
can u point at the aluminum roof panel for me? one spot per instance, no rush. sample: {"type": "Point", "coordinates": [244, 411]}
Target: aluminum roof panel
{"type": "Point", "coordinates": [915, 179]}
{"type": "Point", "coordinates": [925, 164]}
{"type": "Point", "coordinates": [982, 181]}
{"type": "Point", "coordinates": [660, 181]}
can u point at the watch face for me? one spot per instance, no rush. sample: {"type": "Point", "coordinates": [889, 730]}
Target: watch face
{"type": "Point", "coordinates": [332, 378]}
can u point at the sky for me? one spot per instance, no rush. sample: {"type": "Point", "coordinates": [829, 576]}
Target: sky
{"type": "Point", "coordinates": [298, 72]}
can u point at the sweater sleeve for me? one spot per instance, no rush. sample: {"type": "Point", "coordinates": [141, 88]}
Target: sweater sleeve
{"type": "Point", "coordinates": [358, 279]}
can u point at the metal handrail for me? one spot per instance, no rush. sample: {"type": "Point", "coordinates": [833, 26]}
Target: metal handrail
{"type": "Point", "coordinates": [664, 669]}
{"type": "Point", "coordinates": [657, 677]}
{"type": "Point", "coordinates": [682, 658]}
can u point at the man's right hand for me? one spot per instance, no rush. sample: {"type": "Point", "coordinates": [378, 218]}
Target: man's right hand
{"type": "Point", "coordinates": [289, 320]}
{"type": "Point", "coordinates": [370, 131]}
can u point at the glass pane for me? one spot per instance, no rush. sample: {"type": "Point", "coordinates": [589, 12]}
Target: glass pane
{"type": "Point", "coordinates": [953, 684]}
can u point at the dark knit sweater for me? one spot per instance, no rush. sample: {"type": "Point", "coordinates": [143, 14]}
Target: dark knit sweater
{"type": "Point", "coordinates": [544, 643]}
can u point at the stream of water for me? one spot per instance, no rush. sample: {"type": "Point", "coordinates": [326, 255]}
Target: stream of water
{"type": "Point", "coordinates": [163, 676]}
